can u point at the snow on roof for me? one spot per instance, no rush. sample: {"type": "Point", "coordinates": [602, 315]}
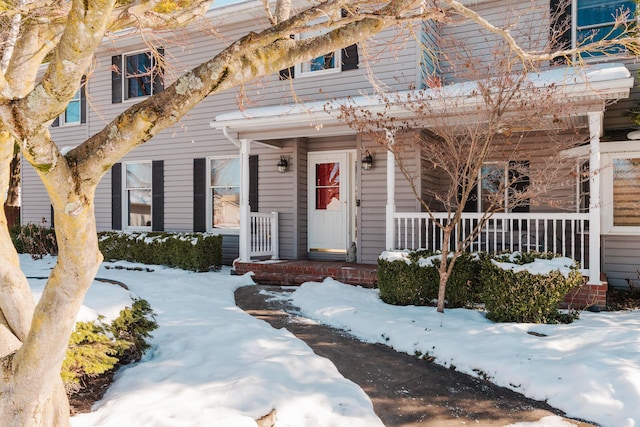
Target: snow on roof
{"type": "Point", "coordinates": [607, 81]}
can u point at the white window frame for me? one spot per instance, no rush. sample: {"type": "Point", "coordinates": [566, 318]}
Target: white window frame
{"type": "Point", "coordinates": [575, 29]}
{"type": "Point", "coordinates": [62, 118]}
{"type": "Point", "coordinates": [337, 56]}
{"type": "Point", "coordinates": [209, 187]}
{"type": "Point", "coordinates": [125, 197]}
{"type": "Point", "coordinates": [125, 78]}
{"type": "Point", "coordinates": [611, 151]}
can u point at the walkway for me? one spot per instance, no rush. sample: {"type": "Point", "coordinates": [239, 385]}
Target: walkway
{"type": "Point", "coordinates": [405, 392]}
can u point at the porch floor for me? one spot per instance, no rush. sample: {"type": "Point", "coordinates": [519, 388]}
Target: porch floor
{"type": "Point", "coordinates": [296, 272]}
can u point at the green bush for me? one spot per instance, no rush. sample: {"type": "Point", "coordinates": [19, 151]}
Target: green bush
{"type": "Point", "coordinates": [521, 296]}
{"type": "Point", "coordinates": [189, 251]}
{"type": "Point", "coordinates": [36, 240]}
{"type": "Point", "coordinates": [95, 348]}
{"type": "Point", "coordinates": [409, 283]}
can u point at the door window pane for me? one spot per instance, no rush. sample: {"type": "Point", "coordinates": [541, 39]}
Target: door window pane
{"type": "Point", "coordinates": [626, 192]}
{"type": "Point", "coordinates": [328, 186]}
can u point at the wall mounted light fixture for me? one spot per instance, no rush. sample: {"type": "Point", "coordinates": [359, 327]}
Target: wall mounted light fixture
{"type": "Point", "coordinates": [367, 161]}
{"type": "Point", "coordinates": [282, 164]}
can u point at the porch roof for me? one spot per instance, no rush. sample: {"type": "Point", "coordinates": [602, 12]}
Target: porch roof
{"type": "Point", "coordinates": [588, 86]}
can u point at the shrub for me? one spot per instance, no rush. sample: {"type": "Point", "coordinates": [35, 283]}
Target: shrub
{"type": "Point", "coordinates": [520, 296]}
{"type": "Point", "coordinates": [36, 240]}
{"type": "Point", "coordinates": [95, 348]}
{"type": "Point", "coordinates": [416, 282]}
{"type": "Point", "coordinates": [134, 326]}
{"type": "Point", "coordinates": [189, 251]}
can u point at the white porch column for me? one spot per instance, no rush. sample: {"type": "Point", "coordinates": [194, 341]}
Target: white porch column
{"type": "Point", "coordinates": [595, 130]}
{"type": "Point", "coordinates": [245, 219]}
{"type": "Point", "coordinates": [391, 194]}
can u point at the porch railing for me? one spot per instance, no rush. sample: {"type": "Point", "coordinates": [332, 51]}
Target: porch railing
{"type": "Point", "coordinates": [264, 234]}
{"type": "Point", "coordinates": [564, 233]}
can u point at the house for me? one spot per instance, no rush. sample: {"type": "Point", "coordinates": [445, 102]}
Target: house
{"type": "Point", "coordinates": [266, 167]}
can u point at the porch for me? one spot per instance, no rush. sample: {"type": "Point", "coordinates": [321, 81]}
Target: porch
{"type": "Point", "coordinates": [296, 272]}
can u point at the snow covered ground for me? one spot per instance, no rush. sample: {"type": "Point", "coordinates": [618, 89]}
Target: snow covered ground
{"type": "Point", "coordinates": [211, 361]}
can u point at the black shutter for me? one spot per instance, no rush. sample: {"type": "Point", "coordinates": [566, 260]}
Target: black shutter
{"type": "Point", "coordinates": [56, 122]}
{"type": "Point", "coordinates": [350, 58]}
{"type": "Point", "coordinates": [116, 196]}
{"type": "Point", "coordinates": [519, 182]}
{"type": "Point", "coordinates": [158, 73]}
{"type": "Point", "coordinates": [83, 100]}
{"type": "Point", "coordinates": [287, 73]}
{"type": "Point", "coordinates": [157, 195]}
{"type": "Point", "coordinates": [53, 221]}
{"type": "Point", "coordinates": [560, 30]}
{"type": "Point", "coordinates": [200, 194]}
{"type": "Point", "coordinates": [116, 79]}
{"type": "Point", "coordinates": [253, 183]}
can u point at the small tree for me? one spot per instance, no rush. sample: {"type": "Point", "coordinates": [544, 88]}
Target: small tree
{"type": "Point", "coordinates": [455, 130]}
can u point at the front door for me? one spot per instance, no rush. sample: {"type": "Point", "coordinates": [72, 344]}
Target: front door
{"type": "Point", "coordinates": [330, 195]}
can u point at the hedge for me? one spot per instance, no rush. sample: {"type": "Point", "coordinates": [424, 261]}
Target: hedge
{"type": "Point", "coordinates": [509, 296]}
{"type": "Point", "coordinates": [189, 251]}
{"type": "Point", "coordinates": [415, 282]}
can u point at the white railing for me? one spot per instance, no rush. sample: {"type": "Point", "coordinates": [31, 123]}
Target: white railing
{"type": "Point", "coordinates": [264, 234]}
{"type": "Point", "coordinates": [564, 233]}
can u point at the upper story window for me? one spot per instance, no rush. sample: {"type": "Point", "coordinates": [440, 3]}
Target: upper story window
{"type": "Point", "coordinates": [136, 75]}
{"type": "Point", "coordinates": [75, 113]}
{"type": "Point", "coordinates": [594, 20]}
{"type": "Point", "coordinates": [340, 60]}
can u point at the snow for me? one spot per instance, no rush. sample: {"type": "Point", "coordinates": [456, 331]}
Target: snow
{"type": "Point", "coordinates": [210, 361]}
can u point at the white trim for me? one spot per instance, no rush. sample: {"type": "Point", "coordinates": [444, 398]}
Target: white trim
{"type": "Point", "coordinates": [125, 197]}
{"type": "Point", "coordinates": [611, 151]}
{"type": "Point", "coordinates": [209, 203]}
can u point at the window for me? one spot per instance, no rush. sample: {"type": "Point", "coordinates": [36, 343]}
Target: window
{"type": "Point", "coordinates": [224, 192]}
{"type": "Point", "coordinates": [498, 181]}
{"type": "Point", "coordinates": [75, 113]}
{"type": "Point", "coordinates": [621, 191]}
{"type": "Point", "coordinates": [594, 21]}
{"type": "Point", "coordinates": [328, 62]}
{"type": "Point", "coordinates": [137, 194]}
{"type": "Point", "coordinates": [136, 75]}
{"type": "Point", "coordinates": [626, 192]}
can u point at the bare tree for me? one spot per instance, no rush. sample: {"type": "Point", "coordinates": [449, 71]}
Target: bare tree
{"type": "Point", "coordinates": [65, 34]}
{"type": "Point", "coordinates": [478, 141]}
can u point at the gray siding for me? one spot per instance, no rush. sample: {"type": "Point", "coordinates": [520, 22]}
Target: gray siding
{"type": "Point", "coordinates": [621, 256]}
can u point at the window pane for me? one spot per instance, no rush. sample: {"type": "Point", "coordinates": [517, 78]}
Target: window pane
{"type": "Point", "coordinates": [593, 12]}
{"type": "Point", "coordinates": [493, 182]}
{"type": "Point", "coordinates": [138, 175]}
{"type": "Point", "coordinates": [72, 113]}
{"type": "Point", "coordinates": [327, 186]}
{"type": "Point", "coordinates": [226, 207]}
{"type": "Point", "coordinates": [626, 192]}
{"type": "Point", "coordinates": [325, 62]}
{"type": "Point", "coordinates": [138, 79]}
{"type": "Point", "coordinates": [139, 208]}
{"type": "Point", "coordinates": [225, 172]}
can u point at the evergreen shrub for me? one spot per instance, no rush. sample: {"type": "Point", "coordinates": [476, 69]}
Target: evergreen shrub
{"type": "Point", "coordinates": [520, 296]}
{"type": "Point", "coordinates": [96, 347]}
{"type": "Point", "coordinates": [413, 282]}
{"type": "Point", "coordinates": [189, 251]}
